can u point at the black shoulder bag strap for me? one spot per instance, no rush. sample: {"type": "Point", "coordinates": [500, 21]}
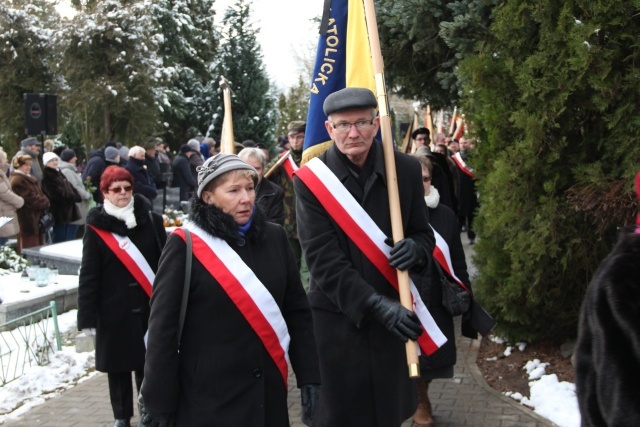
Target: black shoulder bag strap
{"type": "Point", "coordinates": [187, 280]}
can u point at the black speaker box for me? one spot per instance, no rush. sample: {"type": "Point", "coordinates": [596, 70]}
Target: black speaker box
{"type": "Point", "coordinates": [41, 114]}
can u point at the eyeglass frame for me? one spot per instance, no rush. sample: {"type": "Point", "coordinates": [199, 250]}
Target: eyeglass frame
{"type": "Point", "coordinates": [126, 189]}
{"type": "Point", "coordinates": [365, 123]}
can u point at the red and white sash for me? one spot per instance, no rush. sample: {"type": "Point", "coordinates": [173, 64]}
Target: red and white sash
{"type": "Point", "coordinates": [289, 166]}
{"type": "Point", "coordinates": [246, 291]}
{"type": "Point", "coordinates": [443, 257]}
{"type": "Point", "coordinates": [462, 165]}
{"type": "Point", "coordinates": [356, 223]}
{"type": "Point", "coordinates": [130, 256]}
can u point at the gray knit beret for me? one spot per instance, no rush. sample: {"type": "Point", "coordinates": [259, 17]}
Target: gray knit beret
{"type": "Point", "coordinates": [217, 165]}
{"type": "Point", "coordinates": [349, 98]}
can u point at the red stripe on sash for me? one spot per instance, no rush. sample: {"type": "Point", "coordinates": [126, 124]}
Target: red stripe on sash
{"type": "Point", "coordinates": [339, 214]}
{"type": "Point", "coordinates": [290, 167]}
{"type": "Point", "coordinates": [125, 259]}
{"type": "Point", "coordinates": [462, 165]}
{"type": "Point", "coordinates": [242, 300]}
{"type": "Point", "coordinates": [439, 256]}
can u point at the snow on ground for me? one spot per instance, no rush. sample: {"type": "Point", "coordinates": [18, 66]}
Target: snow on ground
{"type": "Point", "coordinates": [39, 383]}
{"type": "Point", "coordinates": [554, 400]}
{"type": "Point", "coordinates": [550, 398]}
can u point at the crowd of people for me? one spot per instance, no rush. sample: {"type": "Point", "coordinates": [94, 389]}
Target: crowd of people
{"type": "Point", "coordinates": [264, 275]}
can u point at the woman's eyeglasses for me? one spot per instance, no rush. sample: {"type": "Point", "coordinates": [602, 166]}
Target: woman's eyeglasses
{"type": "Point", "coordinates": [116, 190]}
{"type": "Point", "coordinates": [426, 178]}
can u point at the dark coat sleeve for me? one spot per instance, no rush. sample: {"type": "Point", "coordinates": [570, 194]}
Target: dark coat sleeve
{"type": "Point", "coordinates": [89, 281]}
{"type": "Point", "coordinates": [297, 314]}
{"type": "Point", "coordinates": [607, 356]}
{"type": "Point", "coordinates": [160, 388]}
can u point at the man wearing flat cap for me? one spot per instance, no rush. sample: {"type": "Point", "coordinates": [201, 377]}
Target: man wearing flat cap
{"type": "Point", "coordinates": [295, 135]}
{"type": "Point", "coordinates": [359, 323]}
{"type": "Point", "coordinates": [182, 176]}
{"type": "Point", "coordinates": [31, 146]}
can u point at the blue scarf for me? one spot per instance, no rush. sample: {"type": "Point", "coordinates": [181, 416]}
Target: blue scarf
{"type": "Point", "coordinates": [242, 229]}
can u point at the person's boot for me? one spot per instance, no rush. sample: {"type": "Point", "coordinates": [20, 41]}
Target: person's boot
{"type": "Point", "coordinates": [122, 423]}
{"type": "Point", "coordinates": [422, 417]}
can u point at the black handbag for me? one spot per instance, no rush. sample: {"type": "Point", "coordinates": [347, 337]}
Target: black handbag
{"type": "Point", "coordinates": [455, 298]}
{"type": "Point", "coordinates": [46, 222]}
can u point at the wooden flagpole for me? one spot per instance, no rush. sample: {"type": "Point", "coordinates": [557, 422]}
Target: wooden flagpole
{"type": "Point", "coordinates": [390, 166]}
{"type": "Point", "coordinates": [429, 125]}
{"type": "Point", "coordinates": [227, 142]}
{"type": "Point", "coordinates": [453, 121]}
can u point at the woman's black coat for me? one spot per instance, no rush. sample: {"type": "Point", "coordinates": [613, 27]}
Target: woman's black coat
{"type": "Point", "coordinates": [607, 355]}
{"type": "Point", "coordinates": [440, 364]}
{"type": "Point", "coordinates": [109, 298]}
{"type": "Point", "coordinates": [223, 374]}
{"type": "Point", "coordinates": [62, 195]}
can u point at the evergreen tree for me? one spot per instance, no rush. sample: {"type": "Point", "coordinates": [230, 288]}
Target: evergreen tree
{"type": "Point", "coordinates": [189, 45]}
{"type": "Point", "coordinates": [114, 76]}
{"type": "Point", "coordinates": [26, 55]}
{"type": "Point", "coordinates": [555, 100]}
{"type": "Point", "coordinates": [253, 104]}
{"type": "Point", "coordinates": [293, 106]}
{"type": "Point", "coordinates": [423, 42]}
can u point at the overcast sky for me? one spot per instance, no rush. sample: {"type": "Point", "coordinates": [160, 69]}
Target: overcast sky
{"type": "Point", "coordinates": [287, 33]}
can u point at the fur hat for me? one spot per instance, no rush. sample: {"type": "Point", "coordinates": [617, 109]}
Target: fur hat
{"type": "Point", "coordinates": [47, 157]}
{"type": "Point", "coordinates": [218, 165]}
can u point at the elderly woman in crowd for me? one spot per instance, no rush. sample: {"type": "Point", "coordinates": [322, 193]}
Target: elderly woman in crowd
{"type": "Point", "coordinates": [245, 311]}
{"type": "Point", "coordinates": [121, 248]}
{"type": "Point", "coordinates": [9, 202]}
{"type": "Point", "coordinates": [35, 202]}
{"type": "Point", "coordinates": [63, 199]}
{"type": "Point", "coordinates": [269, 195]}
{"type": "Point", "coordinates": [440, 364]}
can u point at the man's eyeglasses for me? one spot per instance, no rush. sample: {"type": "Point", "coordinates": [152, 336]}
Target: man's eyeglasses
{"type": "Point", "coordinates": [426, 178]}
{"type": "Point", "coordinates": [346, 127]}
{"type": "Point", "coordinates": [116, 190]}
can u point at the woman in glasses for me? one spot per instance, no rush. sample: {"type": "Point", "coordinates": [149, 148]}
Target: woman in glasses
{"type": "Point", "coordinates": [122, 245]}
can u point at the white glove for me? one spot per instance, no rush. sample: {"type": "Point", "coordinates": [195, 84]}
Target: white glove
{"type": "Point", "coordinates": [89, 331]}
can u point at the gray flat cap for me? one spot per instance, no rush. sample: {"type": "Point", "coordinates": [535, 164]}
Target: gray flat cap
{"type": "Point", "coordinates": [349, 98]}
{"type": "Point", "coordinates": [218, 165]}
{"type": "Point", "coordinates": [29, 141]}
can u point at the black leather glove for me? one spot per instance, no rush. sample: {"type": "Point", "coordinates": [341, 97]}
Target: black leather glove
{"type": "Point", "coordinates": [164, 419]}
{"type": "Point", "coordinates": [309, 394]}
{"type": "Point", "coordinates": [401, 322]}
{"type": "Point", "coordinates": [406, 254]}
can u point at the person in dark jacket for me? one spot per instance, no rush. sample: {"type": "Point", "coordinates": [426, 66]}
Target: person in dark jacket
{"type": "Point", "coordinates": [607, 352]}
{"type": "Point", "coordinates": [63, 198]}
{"type": "Point", "coordinates": [182, 176]}
{"type": "Point", "coordinates": [269, 195]}
{"type": "Point", "coordinates": [359, 323]}
{"type": "Point", "coordinates": [445, 223]}
{"type": "Point", "coordinates": [152, 163]}
{"type": "Point", "coordinates": [468, 200]}
{"type": "Point", "coordinates": [142, 182]}
{"type": "Point", "coordinates": [98, 160]}
{"type": "Point", "coordinates": [35, 202]}
{"type": "Point", "coordinates": [113, 303]}
{"type": "Point", "coordinates": [225, 371]}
